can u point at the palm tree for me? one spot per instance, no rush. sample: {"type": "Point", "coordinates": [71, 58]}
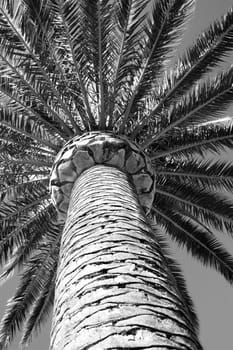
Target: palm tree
{"type": "Point", "coordinates": [104, 149]}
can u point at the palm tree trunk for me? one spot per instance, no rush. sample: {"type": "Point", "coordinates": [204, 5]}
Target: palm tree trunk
{"type": "Point", "coordinates": [114, 289]}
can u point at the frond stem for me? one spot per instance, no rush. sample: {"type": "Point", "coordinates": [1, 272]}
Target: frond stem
{"type": "Point", "coordinates": [19, 228]}
{"type": "Point", "coordinates": [33, 137]}
{"type": "Point", "coordinates": [164, 193]}
{"type": "Point", "coordinates": [188, 234]}
{"type": "Point", "coordinates": [180, 120]}
{"type": "Point", "coordinates": [26, 207]}
{"type": "Point", "coordinates": [85, 120]}
{"type": "Point", "coordinates": [43, 73]}
{"type": "Point", "coordinates": [165, 98]}
{"type": "Point", "coordinates": [127, 112]}
{"type": "Point", "coordinates": [187, 147]}
{"type": "Point", "coordinates": [119, 60]}
{"type": "Point", "coordinates": [102, 116]}
{"type": "Point", "coordinates": [39, 97]}
{"type": "Point", "coordinates": [202, 176]}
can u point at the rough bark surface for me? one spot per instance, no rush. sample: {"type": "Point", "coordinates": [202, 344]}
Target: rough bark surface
{"type": "Point", "coordinates": [83, 152]}
{"type": "Point", "coordinates": [113, 288]}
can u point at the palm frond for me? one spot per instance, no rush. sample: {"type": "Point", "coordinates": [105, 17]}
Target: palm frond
{"type": "Point", "coordinates": [215, 175]}
{"type": "Point", "coordinates": [16, 190]}
{"type": "Point", "coordinates": [21, 100]}
{"type": "Point", "coordinates": [199, 242]}
{"type": "Point", "coordinates": [128, 38]}
{"type": "Point", "coordinates": [11, 177]}
{"type": "Point", "coordinates": [28, 128]}
{"type": "Point", "coordinates": [23, 200]}
{"type": "Point", "coordinates": [211, 208]}
{"type": "Point", "coordinates": [206, 102]}
{"type": "Point", "coordinates": [168, 19]}
{"type": "Point", "coordinates": [54, 57]}
{"type": "Point", "coordinates": [205, 54]}
{"type": "Point", "coordinates": [34, 279]}
{"type": "Point", "coordinates": [25, 235]}
{"type": "Point", "coordinates": [34, 79]}
{"type": "Point", "coordinates": [40, 310]}
{"type": "Point", "coordinates": [70, 16]}
{"type": "Point", "coordinates": [197, 139]}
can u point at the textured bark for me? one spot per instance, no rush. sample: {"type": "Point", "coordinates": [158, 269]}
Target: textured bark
{"type": "Point", "coordinates": [94, 148]}
{"type": "Point", "coordinates": [114, 289]}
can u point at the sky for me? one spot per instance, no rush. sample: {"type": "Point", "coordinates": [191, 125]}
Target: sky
{"type": "Point", "coordinates": [212, 295]}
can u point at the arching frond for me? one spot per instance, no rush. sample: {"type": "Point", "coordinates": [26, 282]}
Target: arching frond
{"type": "Point", "coordinates": [40, 310]}
{"type": "Point", "coordinates": [32, 77]}
{"type": "Point", "coordinates": [207, 52]}
{"type": "Point", "coordinates": [197, 241]}
{"type": "Point", "coordinates": [130, 17]}
{"type": "Point", "coordinates": [194, 140]}
{"type": "Point", "coordinates": [25, 236]}
{"type": "Point", "coordinates": [206, 102]}
{"type": "Point", "coordinates": [164, 28]}
{"type": "Point", "coordinates": [215, 175]}
{"type": "Point", "coordinates": [28, 128]}
{"type": "Point", "coordinates": [211, 208]}
{"type": "Point", "coordinates": [35, 278]}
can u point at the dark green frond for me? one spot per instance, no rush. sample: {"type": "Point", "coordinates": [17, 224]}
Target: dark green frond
{"type": "Point", "coordinates": [130, 41]}
{"type": "Point", "coordinates": [206, 53]}
{"type": "Point", "coordinates": [199, 242]}
{"type": "Point", "coordinates": [22, 213]}
{"type": "Point", "coordinates": [209, 49]}
{"type": "Point", "coordinates": [161, 33]}
{"type": "Point", "coordinates": [33, 281]}
{"type": "Point", "coordinates": [70, 16]}
{"type": "Point", "coordinates": [98, 52]}
{"type": "Point", "coordinates": [39, 19]}
{"type": "Point", "coordinates": [40, 310]}
{"type": "Point", "coordinates": [215, 175]}
{"type": "Point", "coordinates": [209, 207]}
{"type": "Point", "coordinates": [206, 102]}
{"type": "Point", "coordinates": [10, 176]}
{"type": "Point", "coordinates": [28, 128]}
{"type": "Point", "coordinates": [23, 237]}
{"type": "Point", "coordinates": [32, 76]}
{"type": "Point", "coordinates": [196, 139]}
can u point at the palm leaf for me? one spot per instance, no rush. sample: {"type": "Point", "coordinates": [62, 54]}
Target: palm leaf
{"type": "Point", "coordinates": [207, 101]}
{"type": "Point", "coordinates": [27, 127]}
{"type": "Point", "coordinates": [199, 242]}
{"type": "Point", "coordinates": [130, 37]}
{"type": "Point", "coordinates": [164, 28]}
{"type": "Point", "coordinates": [194, 140]}
{"type": "Point", "coordinates": [40, 310]}
{"type": "Point", "coordinates": [199, 202]}
{"type": "Point", "coordinates": [18, 47]}
{"type": "Point", "coordinates": [25, 235]}
{"type": "Point", "coordinates": [215, 175]}
{"type": "Point", "coordinates": [206, 53]}
{"type": "Point", "coordinates": [35, 277]}
{"type": "Point", "coordinates": [128, 16]}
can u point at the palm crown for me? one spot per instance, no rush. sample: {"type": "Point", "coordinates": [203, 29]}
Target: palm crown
{"type": "Point", "coordinates": [70, 67]}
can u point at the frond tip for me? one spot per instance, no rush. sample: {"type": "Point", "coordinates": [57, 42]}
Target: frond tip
{"type": "Point", "coordinates": [37, 280]}
{"type": "Point", "coordinates": [200, 242]}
